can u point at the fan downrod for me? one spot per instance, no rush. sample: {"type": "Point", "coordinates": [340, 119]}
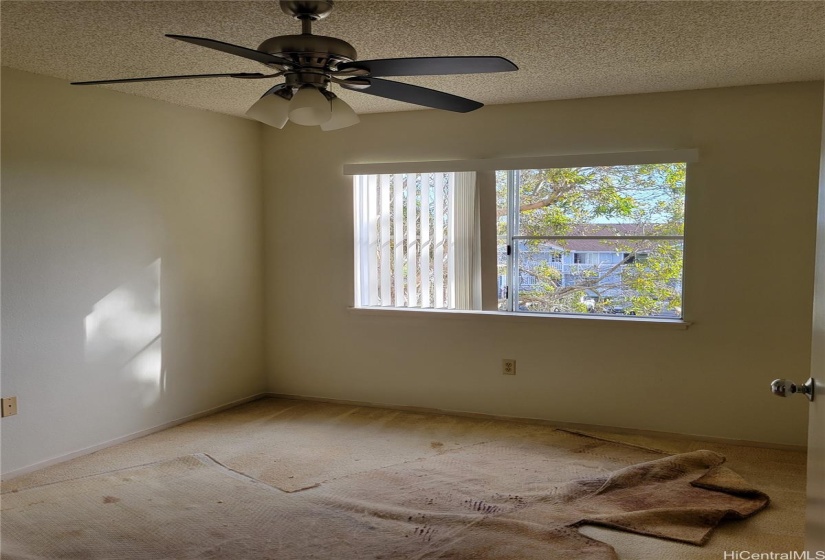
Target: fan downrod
{"type": "Point", "coordinates": [312, 10]}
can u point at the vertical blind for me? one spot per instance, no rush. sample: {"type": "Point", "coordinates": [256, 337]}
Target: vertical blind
{"type": "Point", "coordinates": [415, 239]}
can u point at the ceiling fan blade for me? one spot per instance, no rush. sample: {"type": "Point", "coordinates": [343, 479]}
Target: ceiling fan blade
{"type": "Point", "coordinates": [258, 56]}
{"type": "Point", "coordinates": [248, 75]}
{"type": "Point", "coordinates": [431, 65]}
{"type": "Point", "coordinates": [417, 95]}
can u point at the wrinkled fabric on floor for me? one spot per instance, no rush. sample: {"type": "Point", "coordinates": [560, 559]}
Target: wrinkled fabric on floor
{"type": "Point", "coordinates": [519, 500]}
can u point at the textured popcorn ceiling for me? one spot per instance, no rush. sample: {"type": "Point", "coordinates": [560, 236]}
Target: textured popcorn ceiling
{"type": "Point", "coordinates": [563, 49]}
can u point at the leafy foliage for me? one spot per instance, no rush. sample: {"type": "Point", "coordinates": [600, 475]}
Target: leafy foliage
{"type": "Point", "coordinates": [611, 274]}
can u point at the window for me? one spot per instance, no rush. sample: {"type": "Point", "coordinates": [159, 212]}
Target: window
{"type": "Point", "coordinates": [630, 258]}
{"type": "Point", "coordinates": [620, 230]}
{"type": "Point", "coordinates": [414, 240]}
{"type": "Point", "coordinates": [574, 240]}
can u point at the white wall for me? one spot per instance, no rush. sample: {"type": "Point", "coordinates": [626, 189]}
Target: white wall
{"type": "Point", "coordinates": [748, 284]}
{"type": "Point", "coordinates": [133, 251]}
{"type": "Point", "coordinates": [131, 264]}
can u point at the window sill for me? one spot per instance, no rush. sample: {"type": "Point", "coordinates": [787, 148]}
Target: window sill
{"type": "Point", "coordinates": [477, 315]}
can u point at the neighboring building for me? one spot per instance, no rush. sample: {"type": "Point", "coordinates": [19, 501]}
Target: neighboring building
{"type": "Point", "coordinates": [581, 262]}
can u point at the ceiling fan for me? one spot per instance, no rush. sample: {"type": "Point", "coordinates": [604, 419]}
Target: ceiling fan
{"type": "Point", "coordinates": [310, 63]}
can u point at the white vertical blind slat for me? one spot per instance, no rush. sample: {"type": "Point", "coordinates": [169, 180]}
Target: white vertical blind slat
{"type": "Point", "coordinates": [452, 285]}
{"type": "Point", "coordinates": [361, 241]}
{"type": "Point", "coordinates": [438, 253]}
{"type": "Point", "coordinates": [358, 217]}
{"type": "Point", "coordinates": [386, 300]}
{"type": "Point", "coordinates": [372, 244]}
{"type": "Point", "coordinates": [462, 245]}
{"type": "Point", "coordinates": [398, 239]}
{"type": "Point", "coordinates": [425, 240]}
{"type": "Point", "coordinates": [412, 240]}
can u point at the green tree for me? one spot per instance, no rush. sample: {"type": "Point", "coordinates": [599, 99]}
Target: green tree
{"type": "Point", "coordinates": [633, 276]}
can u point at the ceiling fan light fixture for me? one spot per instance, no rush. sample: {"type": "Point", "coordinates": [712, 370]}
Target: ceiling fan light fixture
{"type": "Point", "coordinates": [342, 116]}
{"type": "Point", "coordinates": [309, 107]}
{"type": "Point", "coordinates": [272, 108]}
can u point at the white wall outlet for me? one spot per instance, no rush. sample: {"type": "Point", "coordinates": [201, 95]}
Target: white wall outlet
{"type": "Point", "coordinates": [508, 366]}
{"type": "Point", "coordinates": [9, 406]}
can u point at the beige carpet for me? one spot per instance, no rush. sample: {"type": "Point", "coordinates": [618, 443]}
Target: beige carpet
{"type": "Point", "coordinates": [295, 445]}
{"type": "Point", "coordinates": [486, 502]}
{"type": "Point", "coordinates": [471, 480]}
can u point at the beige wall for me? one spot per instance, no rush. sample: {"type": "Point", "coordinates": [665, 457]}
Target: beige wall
{"type": "Point", "coordinates": [131, 264]}
{"type": "Point", "coordinates": [749, 271]}
{"type": "Point", "coordinates": [132, 267]}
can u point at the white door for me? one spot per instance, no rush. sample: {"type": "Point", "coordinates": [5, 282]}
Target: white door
{"type": "Point", "coordinates": [815, 529]}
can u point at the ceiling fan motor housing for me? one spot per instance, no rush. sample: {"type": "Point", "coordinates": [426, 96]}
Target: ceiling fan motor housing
{"type": "Point", "coordinates": [314, 56]}
{"type": "Point", "coordinates": [316, 51]}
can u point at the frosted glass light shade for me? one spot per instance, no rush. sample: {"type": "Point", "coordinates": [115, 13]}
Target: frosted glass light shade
{"type": "Point", "coordinates": [342, 116]}
{"type": "Point", "coordinates": [309, 107]}
{"type": "Point", "coordinates": [270, 109]}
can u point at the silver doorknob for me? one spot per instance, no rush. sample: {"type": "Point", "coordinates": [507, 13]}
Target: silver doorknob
{"type": "Point", "coordinates": [782, 387]}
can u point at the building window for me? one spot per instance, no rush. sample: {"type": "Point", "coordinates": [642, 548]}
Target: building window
{"type": "Point", "coordinates": [571, 240]}
{"type": "Point", "coordinates": [620, 230]}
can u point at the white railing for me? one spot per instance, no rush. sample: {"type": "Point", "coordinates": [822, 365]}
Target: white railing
{"type": "Point", "coordinates": [573, 268]}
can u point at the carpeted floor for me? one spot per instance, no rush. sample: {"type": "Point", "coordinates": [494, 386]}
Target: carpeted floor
{"type": "Point", "coordinates": [343, 476]}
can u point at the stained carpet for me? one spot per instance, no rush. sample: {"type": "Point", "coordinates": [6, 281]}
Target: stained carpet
{"type": "Point", "coordinates": [483, 490]}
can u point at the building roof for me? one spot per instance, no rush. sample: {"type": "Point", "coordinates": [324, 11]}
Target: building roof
{"type": "Point", "coordinates": [607, 230]}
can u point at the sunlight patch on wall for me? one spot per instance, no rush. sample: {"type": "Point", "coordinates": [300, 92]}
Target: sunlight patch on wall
{"type": "Point", "coordinates": [123, 332]}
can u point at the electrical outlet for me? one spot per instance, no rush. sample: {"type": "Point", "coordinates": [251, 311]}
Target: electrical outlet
{"type": "Point", "coordinates": [9, 406]}
{"type": "Point", "coordinates": [508, 366]}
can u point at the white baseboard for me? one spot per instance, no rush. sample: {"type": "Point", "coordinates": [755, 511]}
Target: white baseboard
{"type": "Point", "coordinates": [87, 450]}
{"type": "Point", "coordinates": [552, 423]}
